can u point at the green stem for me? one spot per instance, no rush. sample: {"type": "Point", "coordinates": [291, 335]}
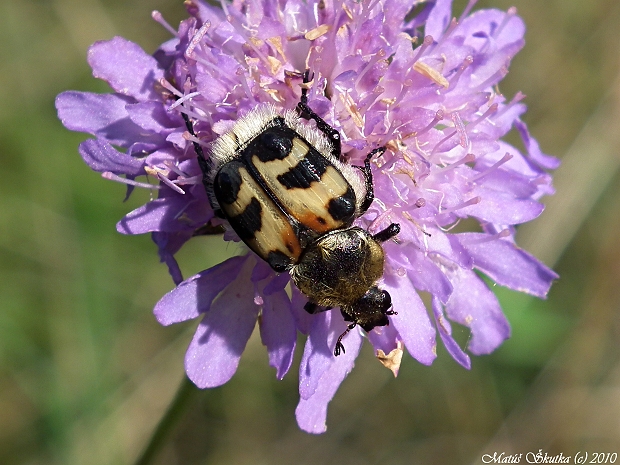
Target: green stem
{"type": "Point", "coordinates": [167, 422]}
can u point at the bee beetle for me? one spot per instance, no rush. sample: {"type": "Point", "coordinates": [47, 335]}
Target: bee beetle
{"type": "Point", "coordinates": [284, 188]}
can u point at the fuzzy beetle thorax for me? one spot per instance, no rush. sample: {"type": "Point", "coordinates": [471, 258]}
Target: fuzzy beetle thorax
{"type": "Point", "coordinates": [339, 267]}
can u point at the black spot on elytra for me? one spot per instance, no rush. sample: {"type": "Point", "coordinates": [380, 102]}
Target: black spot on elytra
{"type": "Point", "coordinates": [309, 169]}
{"type": "Point", "coordinates": [228, 182]}
{"type": "Point", "coordinates": [272, 144]}
{"type": "Point", "coordinates": [342, 208]}
{"type": "Point", "coordinates": [248, 222]}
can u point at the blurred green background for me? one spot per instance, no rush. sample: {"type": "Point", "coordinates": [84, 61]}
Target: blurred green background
{"type": "Point", "coordinates": [86, 372]}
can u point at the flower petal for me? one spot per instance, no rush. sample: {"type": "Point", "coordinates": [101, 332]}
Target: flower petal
{"type": "Point", "coordinates": [439, 18]}
{"type": "Point", "coordinates": [278, 333]}
{"type": "Point", "coordinates": [472, 304]}
{"type": "Point", "coordinates": [152, 117]}
{"type": "Point", "coordinates": [126, 67]}
{"type": "Point", "coordinates": [508, 265]}
{"type": "Point", "coordinates": [318, 353]}
{"type": "Point", "coordinates": [150, 216]}
{"type": "Point", "coordinates": [213, 355]}
{"type": "Point", "coordinates": [195, 295]}
{"type": "Point", "coordinates": [533, 149]}
{"type": "Point", "coordinates": [324, 374]}
{"type": "Point", "coordinates": [411, 321]}
{"type": "Point", "coordinates": [303, 319]}
{"type": "Point", "coordinates": [170, 213]}
{"type": "Point", "coordinates": [102, 115]}
{"type": "Point", "coordinates": [423, 273]}
{"type": "Point", "coordinates": [89, 112]}
{"type": "Point", "coordinates": [445, 332]}
{"type": "Point", "coordinates": [385, 338]}
{"type": "Point", "coordinates": [167, 245]}
{"type": "Point", "coordinates": [101, 157]}
{"type": "Point", "coordinates": [500, 207]}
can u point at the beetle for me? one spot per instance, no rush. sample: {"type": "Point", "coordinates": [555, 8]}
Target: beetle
{"type": "Point", "coordinates": [285, 189]}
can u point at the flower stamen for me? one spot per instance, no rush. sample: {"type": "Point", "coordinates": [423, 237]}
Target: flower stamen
{"type": "Point", "coordinates": [439, 115]}
{"type": "Point", "coordinates": [431, 73]}
{"type": "Point", "coordinates": [467, 61]}
{"type": "Point", "coordinates": [492, 168]}
{"type": "Point", "coordinates": [445, 139]}
{"type": "Point", "coordinates": [194, 140]}
{"type": "Point", "coordinates": [494, 78]}
{"type": "Point", "coordinates": [467, 9]}
{"type": "Point", "coordinates": [451, 27]}
{"type": "Point", "coordinates": [157, 16]}
{"type": "Point", "coordinates": [421, 228]}
{"type": "Point", "coordinates": [182, 99]}
{"type": "Point", "coordinates": [375, 58]}
{"type": "Point", "coordinates": [113, 177]}
{"type": "Point", "coordinates": [171, 184]}
{"type": "Point", "coordinates": [512, 11]}
{"type": "Point", "coordinates": [481, 238]}
{"type": "Point", "coordinates": [460, 128]}
{"type": "Point", "coordinates": [467, 203]}
{"type": "Point", "coordinates": [170, 88]}
{"type": "Point", "coordinates": [516, 99]}
{"type": "Point", "coordinates": [469, 158]}
{"type": "Point", "coordinates": [427, 42]}
{"type": "Point", "coordinates": [489, 111]}
{"type": "Point", "coordinates": [198, 36]}
{"type": "Point", "coordinates": [240, 73]}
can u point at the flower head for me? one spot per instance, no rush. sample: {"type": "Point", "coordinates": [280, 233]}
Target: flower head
{"type": "Point", "coordinates": [425, 87]}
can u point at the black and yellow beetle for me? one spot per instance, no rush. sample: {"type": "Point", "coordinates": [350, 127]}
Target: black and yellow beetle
{"type": "Point", "coordinates": [284, 189]}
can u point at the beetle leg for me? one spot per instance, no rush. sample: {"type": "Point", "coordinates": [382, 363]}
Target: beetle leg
{"type": "Point", "coordinates": [388, 233]}
{"type": "Point", "coordinates": [339, 345]}
{"type": "Point", "coordinates": [306, 112]}
{"type": "Point", "coordinates": [202, 160]}
{"type": "Point", "coordinates": [203, 163]}
{"type": "Point", "coordinates": [370, 191]}
{"type": "Point", "coordinates": [313, 308]}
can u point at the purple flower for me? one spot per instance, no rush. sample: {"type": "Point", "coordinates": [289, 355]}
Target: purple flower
{"type": "Point", "coordinates": [425, 87]}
